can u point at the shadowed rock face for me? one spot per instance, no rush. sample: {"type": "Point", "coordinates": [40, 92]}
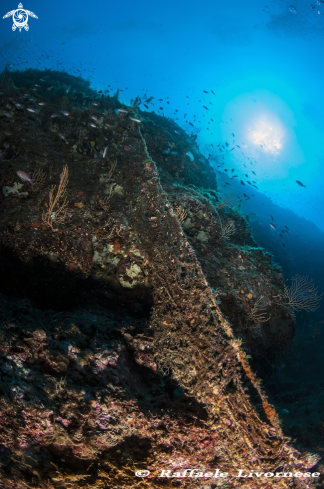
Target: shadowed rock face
{"type": "Point", "coordinates": [134, 288]}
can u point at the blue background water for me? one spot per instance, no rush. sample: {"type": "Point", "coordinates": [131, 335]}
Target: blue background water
{"type": "Point", "coordinates": [262, 61]}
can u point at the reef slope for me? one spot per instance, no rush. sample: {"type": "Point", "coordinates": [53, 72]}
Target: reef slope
{"type": "Point", "coordinates": [128, 289]}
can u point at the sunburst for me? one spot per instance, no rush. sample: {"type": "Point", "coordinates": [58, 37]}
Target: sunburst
{"type": "Point", "coordinates": [268, 135]}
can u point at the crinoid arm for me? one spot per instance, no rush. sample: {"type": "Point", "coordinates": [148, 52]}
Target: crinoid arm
{"type": "Point", "coordinates": [9, 14]}
{"type": "Point", "coordinates": [31, 14]}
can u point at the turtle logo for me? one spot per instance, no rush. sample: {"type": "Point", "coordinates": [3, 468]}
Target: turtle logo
{"type": "Point", "coordinates": [20, 18]}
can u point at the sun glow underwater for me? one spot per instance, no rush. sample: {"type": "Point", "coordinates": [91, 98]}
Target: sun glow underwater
{"type": "Point", "coordinates": [268, 134]}
{"type": "Point", "coordinates": [265, 135]}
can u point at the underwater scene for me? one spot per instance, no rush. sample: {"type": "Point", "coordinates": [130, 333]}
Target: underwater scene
{"type": "Point", "coordinates": [162, 244]}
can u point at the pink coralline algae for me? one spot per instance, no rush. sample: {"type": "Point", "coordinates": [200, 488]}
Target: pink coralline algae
{"type": "Point", "coordinates": [106, 359]}
{"type": "Point", "coordinates": [64, 422]}
{"type": "Point", "coordinates": [104, 422]}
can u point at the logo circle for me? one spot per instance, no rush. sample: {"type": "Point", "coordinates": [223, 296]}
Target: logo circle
{"type": "Point", "coordinates": [20, 18]}
{"type": "Point", "coordinates": [142, 473]}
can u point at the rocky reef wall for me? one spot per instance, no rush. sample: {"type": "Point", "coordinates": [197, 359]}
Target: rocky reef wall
{"type": "Point", "coordinates": [129, 290]}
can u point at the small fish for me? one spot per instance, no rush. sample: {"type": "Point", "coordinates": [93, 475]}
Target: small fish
{"type": "Point", "coordinates": [293, 9]}
{"type": "Point", "coordinates": [92, 124]}
{"type": "Point", "coordinates": [271, 217]}
{"type": "Point", "coordinates": [50, 88]}
{"type": "Point", "coordinates": [238, 146]}
{"type": "Point", "coordinates": [94, 117]}
{"type": "Point", "coordinates": [123, 111]}
{"type": "Point", "coordinates": [205, 107]}
{"type": "Point", "coordinates": [31, 110]}
{"type": "Point", "coordinates": [65, 112]}
{"type": "Point", "coordinates": [41, 103]}
{"type": "Point", "coordinates": [300, 184]}
{"type": "Point", "coordinates": [135, 120]}
{"type": "Point", "coordinates": [242, 182]}
{"type": "Point", "coordinates": [24, 176]}
{"type": "Point", "coordinates": [105, 151]}
{"type": "Point", "coordinates": [273, 226]}
{"type": "Point", "coordinates": [205, 91]}
{"type": "Point", "coordinates": [213, 93]}
{"type": "Point", "coordinates": [149, 100]}
{"type": "Point", "coordinates": [54, 115]}
{"type": "Point", "coordinates": [19, 106]}
{"type": "Point", "coordinates": [190, 156]}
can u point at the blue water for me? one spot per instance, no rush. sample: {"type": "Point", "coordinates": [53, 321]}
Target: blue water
{"type": "Point", "coordinates": [261, 60]}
